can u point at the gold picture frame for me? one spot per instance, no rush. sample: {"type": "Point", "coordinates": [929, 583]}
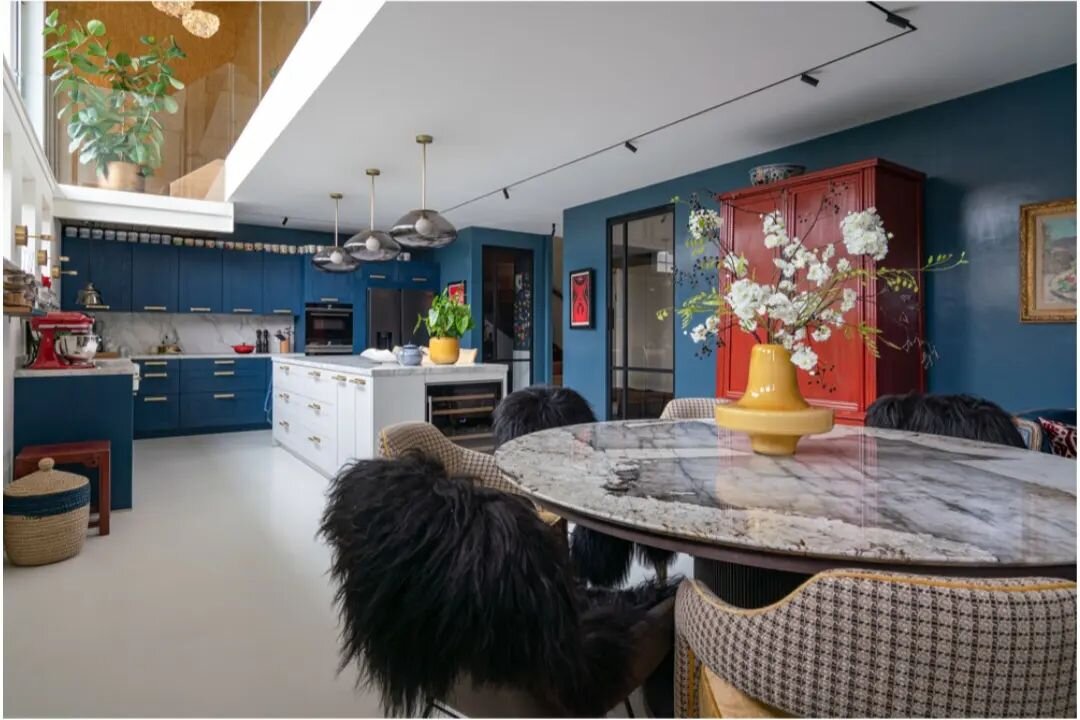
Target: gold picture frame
{"type": "Point", "coordinates": [1048, 262]}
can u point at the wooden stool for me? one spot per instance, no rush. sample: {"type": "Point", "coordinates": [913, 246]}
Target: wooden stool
{"type": "Point", "coordinates": [89, 453]}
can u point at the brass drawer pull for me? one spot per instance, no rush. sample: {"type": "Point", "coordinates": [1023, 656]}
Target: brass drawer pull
{"type": "Point", "coordinates": [328, 299]}
{"type": "Point", "coordinates": [65, 258]}
{"type": "Point", "coordinates": [224, 373]}
{"type": "Point", "coordinates": [241, 310]}
{"type": "Point", "coordinates": [358, 381]}
{"type": "Point", "coordinates": [315, 406]}
{"type": "Point", "coordinates": [156, 363]}
{"type": "Point", "coordinates": [200, 309]}
{"type": "Point", "coordinates": [419, 279]}
{"type": "Point", "coordinates": [72, 273]}
{"type": "Point", "coordinates": [315, 374]}
{"type": "Point", "coordinates": [375, 276]}
{"type": "Point", "coordinates": [284, 396]}
{"type": "Point", "coordinates": [224, 362]}
{"type": "Point", "coordinates": [224, 396]}
{"type": "Point", "coordinates": [340, 378]}
{"type": "Point", "coordinates": [284, 424]}
{"type": "Point", "coordinates": [282, 311]}
{"type": "Point", "coordinates": [154, 308]}
{"type": "Point", "coordinates": [315, 439]}
{"type": "Point", "coordinates": [284, 368]}
{"type": "Point", "coordinates": [156, 375]}
{"type": "Point", "coordinates": [97, 307]}
{"type": "Point", "coordinates": [155, 398]}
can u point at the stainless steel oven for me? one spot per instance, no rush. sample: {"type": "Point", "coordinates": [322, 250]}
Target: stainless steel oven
{"type": "Point", "coordinates": [328, 329]}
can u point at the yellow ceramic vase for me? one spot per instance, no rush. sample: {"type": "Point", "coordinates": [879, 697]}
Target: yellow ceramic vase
{"type": "Point", "coordinates": [772, 411]}
{"type": "Point", "coordinates": [444, 350]}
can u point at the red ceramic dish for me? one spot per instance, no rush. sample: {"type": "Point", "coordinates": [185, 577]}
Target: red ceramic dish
{"type": "Point", "coordinates": [243, 349]}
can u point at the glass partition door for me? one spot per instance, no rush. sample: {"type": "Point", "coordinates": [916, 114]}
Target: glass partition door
{"type": "Point", "coordinates": [641, 348]}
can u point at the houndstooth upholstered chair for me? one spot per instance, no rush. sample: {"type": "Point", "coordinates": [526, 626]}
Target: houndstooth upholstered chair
{"type": "Point", "coordinates": [425, 437]}
{"type": "Point", "coordinates": [853, 643]}
{"type": "Point", "coordinates": [699, 408]}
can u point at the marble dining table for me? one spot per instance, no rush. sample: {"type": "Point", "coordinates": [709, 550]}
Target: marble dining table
{"type": "Point", "coordinates": [854, 497]}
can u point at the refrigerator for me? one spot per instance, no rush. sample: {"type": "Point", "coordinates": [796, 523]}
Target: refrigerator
{"type": "Point", "coordinates": [391, 317]}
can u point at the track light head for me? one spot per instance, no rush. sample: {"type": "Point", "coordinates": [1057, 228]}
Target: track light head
{"type": "Point", "coordinates": [284, 221]}
{"type": "Point", "coordinates": [506, 193]}
{"type": "Point", "coordinates": [898, 21]}
{"type": "Point", "coordinates": [630, 146]}
{"type": "Point", "coordinates": [809, 80]}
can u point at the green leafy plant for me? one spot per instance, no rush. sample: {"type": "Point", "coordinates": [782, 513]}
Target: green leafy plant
{"type": "Point", "coordinates": [112, 99]}
{"type": "Point", "coordinates": [446, 318]}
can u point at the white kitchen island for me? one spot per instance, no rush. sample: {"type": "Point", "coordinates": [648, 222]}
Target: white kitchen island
{"type": "Point", "coordinates": [329, 411]}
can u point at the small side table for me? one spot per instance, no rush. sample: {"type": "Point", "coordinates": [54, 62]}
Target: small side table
{"type": "Point", "coordinates": [89, 453]}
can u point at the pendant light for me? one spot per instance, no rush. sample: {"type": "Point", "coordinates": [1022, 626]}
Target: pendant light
{"type": "Point", "coordinates": [334, 259]}
{"type": "Point", "coordinates": [423, 228]}
{"type": "Point", "coordinates": [371, 244]}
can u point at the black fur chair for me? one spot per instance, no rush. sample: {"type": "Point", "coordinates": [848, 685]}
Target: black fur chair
{"type": "Point", "coordinates": [451, 591]}
{"type": "Point", "coordinates": [961, 416]}
{"type": "Point", "coordinates": [601, 559]}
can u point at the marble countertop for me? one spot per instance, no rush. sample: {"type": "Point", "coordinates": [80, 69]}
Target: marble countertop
{"type": "Point", "coordinates": [212, 356]}
{"type": "Point", "coordinates": [106, 366]}
{"type": "Point", "coordinates": [875, 495]}
{"type": "Point", "coordinates": [363, 366]}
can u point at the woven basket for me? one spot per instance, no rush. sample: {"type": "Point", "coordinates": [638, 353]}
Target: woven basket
{"type": "Point", "coordinates": [46, 514]}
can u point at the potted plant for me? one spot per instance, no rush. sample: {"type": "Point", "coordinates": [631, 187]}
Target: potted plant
{"type": "Point", "coordinates": [446, 321]}
{"type": "Point", "coordinates": [112, 99]}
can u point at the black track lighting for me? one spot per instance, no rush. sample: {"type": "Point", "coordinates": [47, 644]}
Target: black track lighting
{"type": "Point", "coordinates": [284, 221]}
{"type": "Point", "coordinates": [630, 146]}
{"type": "Point", "coordinates": [892, 18]}
{"type": "Point", "coordinates": [506, 193]}
{"type": "Point", "coordinates": [809, 80]}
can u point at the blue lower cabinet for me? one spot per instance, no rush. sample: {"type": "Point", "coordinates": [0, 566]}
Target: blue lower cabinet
{"type": "Point", "coordinates": [222, 409]}
{"type": "Point", "coordinates": [198, 376]}
{"type": "Point", "coordinates": [156, 414]}
{"type": "Point", "coordinates": [159, 377]}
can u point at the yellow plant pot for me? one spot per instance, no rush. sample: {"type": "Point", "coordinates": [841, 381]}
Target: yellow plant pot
{"type": "Point", "coordinates": [444, 350]}
{"type": "Point", "coordinates": [772, 411]}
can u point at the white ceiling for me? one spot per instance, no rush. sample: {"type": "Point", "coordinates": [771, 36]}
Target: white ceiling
{"type": "Point", "coordinates": [509, 89]}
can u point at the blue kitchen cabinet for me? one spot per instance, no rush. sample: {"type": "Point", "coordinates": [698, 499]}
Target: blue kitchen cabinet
{"type": "Point", "coordinates": [242, 282]}
{"type": "Point", "coordinates": [76, 269]}
{"type": "Point", "coordinates": [156, 414]}
{"type": "Point", "coordinates": [110, 271]}
{"type": "Point", "coordinates": [223, 375]}
{"type": "Point", "coordinates": [159, 377]}
{"type": "Point", "coordinates": [154, 278]}
{"type": "Point", "coordinates": [326, 287]}
{"type": "Point", "coordinates": [282, 285]}
{"type": "Point", "coordinates": [418, 274]}
{"type": "Point", "coordinates": [200, 280]}
{"type": "Point", "coordinates": [234, 408]}
{"type": "Point", "coordinates": [379, 274]}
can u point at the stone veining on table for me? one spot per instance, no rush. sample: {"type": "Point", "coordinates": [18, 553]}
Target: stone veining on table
{"type": "Point", "coordinates": [856, 492]}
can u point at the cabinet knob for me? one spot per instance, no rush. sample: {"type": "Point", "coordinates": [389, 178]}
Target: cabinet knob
{"type": "Point", "coordinates": [315, 374]}
{"type": "Point", "coordinates": [358, 381]}
{"type": "Point", "coordinates": [315, 439]}
{"type": "Point", "coordinates": [315, 406]}
{"type": "Point", "coordinates": [284, 368]}
{"type": "Point", "coordinates": [340, 378]}
{"type": "Point", "coordinates": [284, 396]}
{"type": "Point", "coordinates": [284, 424]}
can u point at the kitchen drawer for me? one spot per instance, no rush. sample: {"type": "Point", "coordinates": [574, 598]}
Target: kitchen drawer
{"type": "Point", "coordinates": [317, 448]}
{"type": "Point", "coordinates": [156, 413]}
{"type": "Point", "coordinates": [308, 381]}
{"type": "Point", "coordinates": [287, 430]}
{"type": "Point", "coordinates": [289, 377]}
{"type": "Point", "coordinates": [159, 377]}
{"type": "Point", "coordinates": [319, 416]}
{"type": "Point", "coordinates": [222, 409]}
{"type": "Point", "coordinates": [223, 375]}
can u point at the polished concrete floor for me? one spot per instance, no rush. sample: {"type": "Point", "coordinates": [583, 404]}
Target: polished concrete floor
{"type": "Point", "coordinates": [209, 599]}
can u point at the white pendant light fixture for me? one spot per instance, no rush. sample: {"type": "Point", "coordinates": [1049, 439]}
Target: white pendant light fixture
{"type": "Point", "coordinates": [334, 259]}
{"type": "Point", "coordinates": [372, 245]}
{"type": "Point", "coordinates": [423, 228]}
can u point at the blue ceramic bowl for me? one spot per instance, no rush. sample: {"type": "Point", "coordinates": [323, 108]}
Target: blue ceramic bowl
{"type": "Point", "coordinates": [765, 174]}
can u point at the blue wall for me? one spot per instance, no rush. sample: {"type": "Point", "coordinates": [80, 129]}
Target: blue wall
{"type": "Point", "coordinates": [464, 260]}
{"type": "Point", "coordinates": [984, 155]}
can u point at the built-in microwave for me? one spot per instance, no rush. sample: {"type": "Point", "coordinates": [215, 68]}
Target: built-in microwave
{"type": "Point", "coordinates": [328, 329]}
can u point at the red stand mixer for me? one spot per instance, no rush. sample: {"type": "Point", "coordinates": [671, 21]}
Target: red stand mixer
{"type": "Point", "coordinates": [52, 328]}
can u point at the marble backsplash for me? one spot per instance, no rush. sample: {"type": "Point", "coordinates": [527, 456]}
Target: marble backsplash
{"type": "Point", "coordinates": [139, 333]}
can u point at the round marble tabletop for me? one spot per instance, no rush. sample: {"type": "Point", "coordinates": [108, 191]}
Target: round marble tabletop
{"type": "Point", "coordinates": [855, 496]}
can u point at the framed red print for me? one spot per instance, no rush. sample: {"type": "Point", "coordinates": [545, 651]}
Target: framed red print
{"type": "Point", "coordinates": [456, 291]}
{"type": "Point", "coordinates": [582, 299]}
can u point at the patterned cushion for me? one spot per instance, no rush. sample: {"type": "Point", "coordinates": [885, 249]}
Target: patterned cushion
{"type": "Point", "coordinates": [1062, 437]}
{"type": "Point", "coordinates": [855, 643]}
{"type": "Point", "coordinates": [690, 409]}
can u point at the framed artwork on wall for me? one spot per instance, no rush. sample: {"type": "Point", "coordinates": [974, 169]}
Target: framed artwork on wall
{"type": "Point", "coordinates": [1048, 261]}
{"type": "Point", "coordinates": [582, 299]}
{"type": "Point", "coordinates": [456, 291]}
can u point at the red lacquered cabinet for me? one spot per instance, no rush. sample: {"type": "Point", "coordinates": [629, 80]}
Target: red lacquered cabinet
{"type": "Point", "coordinates": [849, 376]}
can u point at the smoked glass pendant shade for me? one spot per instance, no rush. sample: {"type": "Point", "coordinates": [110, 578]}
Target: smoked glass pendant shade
{"type": "Point", "coordinates": [423, 228]}
{"type": "Point", "coordinates": [372, 245]}
{"type": "Point", "coordinates": [334, 259]}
